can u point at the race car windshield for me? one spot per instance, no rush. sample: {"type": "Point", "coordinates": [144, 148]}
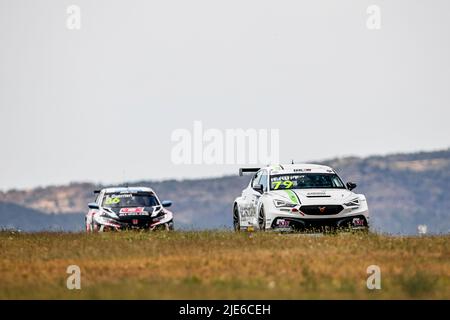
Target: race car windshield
{"type": "Point", "coordinates": [306, 181]}
{"type": "Point", "coordinates": [129, 200]}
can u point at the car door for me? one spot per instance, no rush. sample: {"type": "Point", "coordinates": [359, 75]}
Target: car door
{"type": "Point", "coordinates": [254, 196]}
{"type": "Point", "coordinates": [91, 212]}
{"type": "Point", "coordinates": [246, 209]}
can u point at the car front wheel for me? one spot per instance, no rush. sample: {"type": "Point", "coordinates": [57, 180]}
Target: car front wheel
{"type": "Point", "coordinates": [236, 221]}
{"type": "Point", "coordinates": [262, 220]}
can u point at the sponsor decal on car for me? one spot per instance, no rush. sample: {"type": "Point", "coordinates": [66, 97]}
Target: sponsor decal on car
{"type": "Point", "coordinates": [282, 223]}
{"type": "Point", "coordinates": [132, 210]}
{"type": "Point", "coordinates": [248, 211]}
{"type": "Point", "coordinates": [357, 222]}
{"type": "Point", "coordinates": [138, 211]}
{"type": "Point", "coordinates": [123, 195]}
{"type": "Point", "coordinates": [316, 194]}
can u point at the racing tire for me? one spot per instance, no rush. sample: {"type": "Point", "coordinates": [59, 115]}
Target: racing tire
{"type": "Point", "coordinates": [92, 227]}
{"type": "Point", "coordinates": [96, 228]}
{"type": "Point", "coordinates": [262, 219]}
{"type": "Point", "coordinates": [236, 220]}
{"type": "Point", "coordinates": [164, 227]}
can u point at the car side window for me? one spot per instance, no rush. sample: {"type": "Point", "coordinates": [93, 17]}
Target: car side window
{"type": "Point", "coordinates": [98, 199]}
{"type": "Point", "coordinates": [263, 181]}
{"type": "Point", "coordinates": [256, 179]}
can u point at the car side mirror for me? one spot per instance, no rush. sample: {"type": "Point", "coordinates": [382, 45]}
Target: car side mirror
{"type": "Point", "coordinates": [166, 203]}
{"type": "Point", "coordinates": [93, 205]}
{"type": "Point", "coordinates": [259, 188]}
{"type": "Point", "coordinates": [351, 185]}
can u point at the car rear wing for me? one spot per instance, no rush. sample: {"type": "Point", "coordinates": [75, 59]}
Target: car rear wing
{"type": "Point", "coordinates": [247, 170]}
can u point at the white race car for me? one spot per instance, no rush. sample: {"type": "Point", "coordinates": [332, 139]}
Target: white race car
{"type": "Point", "coordinates": [299, 197]}
{"type": "Point", "coordinates": [128, 208]}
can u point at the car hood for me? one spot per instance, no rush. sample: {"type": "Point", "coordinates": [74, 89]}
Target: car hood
{"type": "Point", "coordinates": [314, 196]}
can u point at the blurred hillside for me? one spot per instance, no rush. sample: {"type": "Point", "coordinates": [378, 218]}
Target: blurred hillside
{"type": "Point", "coordinates": [403, 190]}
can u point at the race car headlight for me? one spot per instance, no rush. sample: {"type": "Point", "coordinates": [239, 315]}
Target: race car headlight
{"type": "Point", "coordinates": [352, 203]}
{"type": "Point", "coordinates": [158, 218]}
{"type": "Point", "coordinates": [106, 214]}
{"type": "Point", "coordinates": [282, 203]}
{"type": "Point", "coordinates": [103, 219]}
{"type": "Point", "coordinates": [160, 213]}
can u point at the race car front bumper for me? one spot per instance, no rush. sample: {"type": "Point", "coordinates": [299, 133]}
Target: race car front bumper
{"type": "Point", "coordinates": [298, 224]}
{"type": "Point", "coordinates": [134, 222]}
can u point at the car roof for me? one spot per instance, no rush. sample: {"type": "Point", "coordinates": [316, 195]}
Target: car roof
{"type": "Point", "coordinates": [127, 190]}
{"type": "Point", "coordinates": [299, 167]}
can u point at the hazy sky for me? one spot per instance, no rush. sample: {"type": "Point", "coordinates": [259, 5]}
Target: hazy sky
{"type": "Point", "coordinates": [100, 103]}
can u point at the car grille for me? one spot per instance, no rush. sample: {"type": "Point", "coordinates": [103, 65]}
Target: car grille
{"type": "Point", "coordinates": [321, 210]}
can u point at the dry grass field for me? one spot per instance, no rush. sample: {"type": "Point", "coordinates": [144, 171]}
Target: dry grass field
{"type": "Point", "coordinates": [222, 265]}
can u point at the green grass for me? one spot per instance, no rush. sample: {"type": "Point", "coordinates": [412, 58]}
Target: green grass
{"type": "Point", "coordinates": [222, 265]}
